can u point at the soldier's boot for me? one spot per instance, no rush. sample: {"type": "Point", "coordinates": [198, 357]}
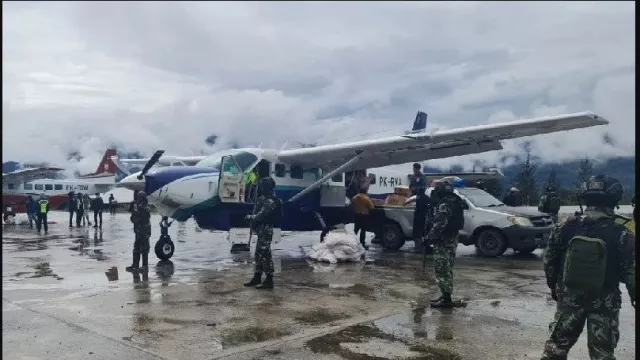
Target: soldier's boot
{"type": "Point", "coordinates": [444, 302]}
{"type": "Point", "coordinates": [267, 283]}
{"type": "Point", "coordinates": [257, 278]}
{"type": "Point", "coordinates": [135, 265]}
{"type": "Point", "coordinates": [145, 262]}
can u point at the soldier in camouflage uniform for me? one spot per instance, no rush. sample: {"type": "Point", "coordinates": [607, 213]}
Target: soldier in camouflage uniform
{"type": "Point", "coordinates": [268, 215]}
{"type": "Point", "coordinates": [141, 219]}
{"type": "Point", "coordinates": [444, 237]}
{"type": "Point", "coordinates": [580, 297]}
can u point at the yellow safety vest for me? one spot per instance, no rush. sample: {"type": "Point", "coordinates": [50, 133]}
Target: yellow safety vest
{"type": "Point", "coordinates": [251, 178]}
{"type": "Point", "coordinates": [43, 206]}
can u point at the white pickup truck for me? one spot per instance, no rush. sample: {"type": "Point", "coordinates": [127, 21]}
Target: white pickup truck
{"type": "Point", "coordinates": [488, 224]}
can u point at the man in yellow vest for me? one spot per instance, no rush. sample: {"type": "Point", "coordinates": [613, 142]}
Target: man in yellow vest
{"type": "Point", "coordinates": [252, 179]}
{"type": "Point", "coordinates": [42, 210]}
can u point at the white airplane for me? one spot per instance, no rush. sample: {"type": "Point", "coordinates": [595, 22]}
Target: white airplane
{"type": "Point", "coordinates": [310, 180]}
{"type": "Point", "coordinates": [19, 184]}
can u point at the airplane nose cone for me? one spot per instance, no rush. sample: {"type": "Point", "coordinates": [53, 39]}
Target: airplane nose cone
{"type": "Point", "coordinates": [131, 182]}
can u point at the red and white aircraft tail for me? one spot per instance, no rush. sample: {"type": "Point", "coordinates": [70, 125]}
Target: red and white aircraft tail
{"type": "Point", "coordinates": [106, 168]}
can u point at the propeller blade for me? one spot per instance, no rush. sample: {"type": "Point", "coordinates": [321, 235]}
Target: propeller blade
{"type": "Point", "coordinates": [154, 159]}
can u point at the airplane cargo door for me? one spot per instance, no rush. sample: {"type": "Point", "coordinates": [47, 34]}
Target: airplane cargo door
{"type": "Point", "coordinates": [231, 183]}
{"type": "Point", "coordinates": [333, 193]}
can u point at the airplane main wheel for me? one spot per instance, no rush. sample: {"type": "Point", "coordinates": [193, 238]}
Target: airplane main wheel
{"type": "Point", "coordinates": [164, 248]}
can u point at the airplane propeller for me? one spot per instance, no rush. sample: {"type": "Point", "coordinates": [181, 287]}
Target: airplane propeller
{"type": "Point", "coordinates": [152, 161]}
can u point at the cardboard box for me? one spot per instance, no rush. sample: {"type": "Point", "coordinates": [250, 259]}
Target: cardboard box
{"type": "Point", "coordinates": [395, 200]}
{"type": "Point", "coordinates": [402, 190]}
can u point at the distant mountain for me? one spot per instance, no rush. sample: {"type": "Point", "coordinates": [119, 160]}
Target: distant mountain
{"type": "Point", "coordinates": [10, 166]}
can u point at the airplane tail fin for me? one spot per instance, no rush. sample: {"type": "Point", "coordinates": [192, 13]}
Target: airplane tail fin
{"type": "Point", "coordinates": [106, 167]}
{"type": "Point", "coordinates": [420, 123]}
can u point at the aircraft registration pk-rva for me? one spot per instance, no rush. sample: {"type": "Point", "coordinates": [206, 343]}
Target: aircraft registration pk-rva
{"type": "Point", "coordinates": [311, 181]}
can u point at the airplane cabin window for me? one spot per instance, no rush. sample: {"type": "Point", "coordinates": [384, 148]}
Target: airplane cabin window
{"type": "Point", "coordinates": [58, 186]}
{"type": "Point", "coordinates": [39, 187]}
{"type": "Point", "coordinates": [337, 178]}
{"type": "Point", "coordinates": [296, 172]}
{"type": "Point", "coordinates": [28, 186]}
{"type": "Point", "coordinates": [372, 179]}
{"type": "Point", "coordinates": [48, 187]}
{"type": "Point", "coordinates": [11, 186]}
{"type": "Point", "coordinates": [280, 170]}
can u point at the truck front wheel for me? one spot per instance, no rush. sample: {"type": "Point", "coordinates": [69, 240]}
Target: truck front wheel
{"type": "Point", "coordinates": [491, 243]}
{"type": "Point", "coordinates": [391, 236]}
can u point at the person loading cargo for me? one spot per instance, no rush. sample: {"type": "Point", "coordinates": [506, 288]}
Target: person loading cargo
{"type": "Point", "coordinates": [362, 205]}
{"type": "Point", "coordinates": [418, 186]}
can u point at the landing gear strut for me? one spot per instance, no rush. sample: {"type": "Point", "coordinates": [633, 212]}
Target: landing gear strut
{"type": "Point", "coordinates": [164, 247]}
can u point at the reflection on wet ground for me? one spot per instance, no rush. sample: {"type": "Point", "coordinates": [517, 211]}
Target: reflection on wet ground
{"type": "Point", "coordinates": [194, 306]}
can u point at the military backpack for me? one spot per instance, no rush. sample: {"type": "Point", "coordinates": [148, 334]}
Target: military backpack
{"type": "Point", "coordinates": [585, 262]}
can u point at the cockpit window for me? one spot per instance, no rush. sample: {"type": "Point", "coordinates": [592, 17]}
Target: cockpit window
{"type": "Point", "coordinates": [243, 158]}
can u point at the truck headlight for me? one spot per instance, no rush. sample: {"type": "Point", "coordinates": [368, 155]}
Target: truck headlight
{"type": "Point", "coordinates": [521, 221]}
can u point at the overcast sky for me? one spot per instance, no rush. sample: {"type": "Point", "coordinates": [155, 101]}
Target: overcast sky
{"type": "Point", "coordinates": [84, 75]}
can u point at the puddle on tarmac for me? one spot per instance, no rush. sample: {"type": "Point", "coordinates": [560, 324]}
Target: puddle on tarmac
{"type": "Point", "coordinates": [234, 337]}
{"type": "Point", "coordinates": [362, 342]}
{"type": "Point", "coordinates": [319, 316]}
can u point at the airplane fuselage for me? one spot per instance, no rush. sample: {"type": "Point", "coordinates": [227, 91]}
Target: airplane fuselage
{"type": "Point", "coordinates": [15, 194]}
{"type": "Point", "coordinates": [194, 191]}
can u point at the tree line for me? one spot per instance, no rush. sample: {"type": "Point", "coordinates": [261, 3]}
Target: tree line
{"type": "Point", "coordinates": [531, 190]}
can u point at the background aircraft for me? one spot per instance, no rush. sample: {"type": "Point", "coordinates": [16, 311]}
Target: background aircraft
{"type": "Point", "coordinates": [17, 185]}
{"type": "Point", "coordinates": [310, 180]}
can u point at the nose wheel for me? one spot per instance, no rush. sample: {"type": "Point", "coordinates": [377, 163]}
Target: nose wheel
{"type": "Point", "coordinates": [164, 248]}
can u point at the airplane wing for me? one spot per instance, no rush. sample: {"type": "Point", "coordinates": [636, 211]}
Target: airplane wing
{"type": "Point", "coordinates": [166, 160]}
{"type": "Point", "coordinates": [26, 175]}
{"type": "Point", "coordinates": [407, 148]}
{"type": "Point", "coordinates": [402, 149]}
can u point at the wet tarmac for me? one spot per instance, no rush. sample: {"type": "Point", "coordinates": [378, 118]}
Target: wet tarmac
{"type": "Point", "coordinates": [66, 295]}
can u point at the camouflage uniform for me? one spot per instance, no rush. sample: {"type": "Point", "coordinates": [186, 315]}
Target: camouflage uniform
{"type": "Point", "coordinates": [141, 219]}
{"type": "Point", "coordinates": [263, 222]}
{"type": "Point", "coordinates": [444, 246]}
{"type": "Point", "coordinates": [264, 231]}
{"type": "Point", "coordinates": [600, 311]}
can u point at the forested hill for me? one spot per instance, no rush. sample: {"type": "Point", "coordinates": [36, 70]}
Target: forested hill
{"type": "Point", "coordinates": [567, 174]}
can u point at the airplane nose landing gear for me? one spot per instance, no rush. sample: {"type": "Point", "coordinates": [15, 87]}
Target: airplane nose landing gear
{"type": "Point", "coordinates": [164, 248]}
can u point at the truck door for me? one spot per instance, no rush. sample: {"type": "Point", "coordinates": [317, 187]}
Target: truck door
{"type": "Point", "coordinates": [333, 192]}
{"type": "Point", "coordinates": [231, 181]}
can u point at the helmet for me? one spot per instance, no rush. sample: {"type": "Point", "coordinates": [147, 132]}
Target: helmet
{"type": "Point", "coordinates": [602, 190]}
{"type": "Point", "coordinates": [442, 187]}
{"type": "Point", "coordinates": [141, 196]}
{"type": "Point", "coordinates": [267, 186]}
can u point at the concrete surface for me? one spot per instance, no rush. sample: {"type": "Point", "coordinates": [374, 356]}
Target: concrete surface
{"type": "Point", "coordinates": [62, 299]}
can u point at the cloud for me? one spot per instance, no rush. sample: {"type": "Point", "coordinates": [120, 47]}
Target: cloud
{"type": "Point", "coordinates": [80, 76]}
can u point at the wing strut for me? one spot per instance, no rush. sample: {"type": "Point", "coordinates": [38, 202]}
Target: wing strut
{"type": "Point", "coordinates": [335, 171]}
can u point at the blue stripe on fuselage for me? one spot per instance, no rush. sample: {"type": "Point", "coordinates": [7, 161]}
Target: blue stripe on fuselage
{"type": "Point", "coordinates": [159, 177]}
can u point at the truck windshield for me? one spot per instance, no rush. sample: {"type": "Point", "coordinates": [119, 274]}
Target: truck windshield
{"type": "Point", "coordinates": [479, 198]}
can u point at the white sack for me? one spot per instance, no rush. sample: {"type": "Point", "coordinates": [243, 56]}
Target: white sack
{"type": "Point", "coordinates": [338, 246]}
